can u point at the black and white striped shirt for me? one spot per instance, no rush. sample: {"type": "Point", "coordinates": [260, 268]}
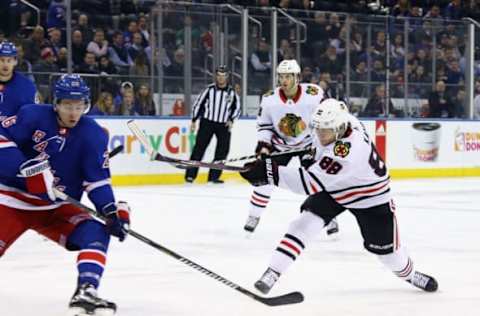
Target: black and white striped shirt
{"type": "Point", "coordinates": [217, 105]}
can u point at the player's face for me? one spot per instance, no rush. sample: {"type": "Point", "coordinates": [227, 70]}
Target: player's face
{"type": "Point", "coordinates": [221, 78]}
{"type": "Point", "coordinates": [287, 82]}
{"type": "Point", "coordinates": [326, 136]}
{"type": "Point", "coordinates": [70, 112]}
{"type": "Point", "coordinates": [6, 66]}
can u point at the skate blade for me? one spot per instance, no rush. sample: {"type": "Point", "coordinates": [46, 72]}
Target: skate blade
{"type": "Point", "coordinates": [77, 311]}
{"type": "Point", "coordinates": [104, 312]}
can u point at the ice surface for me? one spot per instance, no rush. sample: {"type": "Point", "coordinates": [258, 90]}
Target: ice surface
{"type": "Point", "coordinates": [439, 224]}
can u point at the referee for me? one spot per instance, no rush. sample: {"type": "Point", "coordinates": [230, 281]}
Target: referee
{"type": "Point", "coordinates": [216, 108]}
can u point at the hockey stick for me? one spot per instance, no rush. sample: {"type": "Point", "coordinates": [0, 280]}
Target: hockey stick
{"type": "Point", "coordinates": [179, 163]}
{"type": "Point", "coordinates": [274, 154]}
{"type": "Point", "coordinates": [115, 151]}
{"type": "Point", "coordinates": [290, 298]}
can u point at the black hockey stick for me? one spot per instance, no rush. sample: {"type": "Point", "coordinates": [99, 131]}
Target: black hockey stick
{"type": "Point", "coordinates": [115, 151]}
{"type": "Point", "coordinates": [274, 154]}
{"type": "Point", "coordinates": [179, 163]}
{"type": "Point", "coordinates": [290, 298]}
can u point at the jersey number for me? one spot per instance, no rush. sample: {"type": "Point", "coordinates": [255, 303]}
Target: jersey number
{"type": "Point", "coordinates": [377, 163]}
{"type": "Point", "coordinates": [330, 166]}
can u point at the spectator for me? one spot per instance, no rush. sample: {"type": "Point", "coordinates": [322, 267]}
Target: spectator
{"type": "Point", "coordinates": [84, 28]}
{"type": "Point", "coordinates": [378, 73]}
{"type": "Point", "coordinates": [330, 63]}
{"type": "Point", "coordinates": [56, 15]}
{"type": "Point", "coordinates": [62, 57]}
{"type": "Point", "coordinates": [34, 44]}
{"type": "Point", "coordinates": [23, 65]}
{"type": "Point", "coordinates": [454, 73]}
{"type": "Point", "coordinates": [107, 68]}
{"type": "Point", "coordinates": [175, 68]}
{"type": "Point", "coordinates": [458, 103]}
{"type": "Point", "coordinates": [476, 110]}
{"type": "Point", "coordinates": [136, 46]}
{"type": "Point", "coordinates": [438, 105]}
{"type": "Point", "coordinates": [125, 86]}
{"type": "Point", "coordinates": [143, 29]}
{"type": "Point", "coordinates": [78, 48]}
{"type": "Point", "coordinates": [144, 102]}
{"type": "Point", "coordinates": [261, 58]}
{"type": "Point", "coordinates": [317, 35]}
{"type": "Point", "coordinates": [139, 71]}
{"type": "Point", "coordinates": [118, 53]}
{"type": "Point", "coordinates": [284, 51]}
{"type": "Point", "coordinates": [99, 45]}
{"type": "Point", "coordinates": [104, 105]}
{"type": "Point", "coordinates": [55, 40]}
{"type": "Point", "coordinates": [46, 66]}
{"type": "Point", "coordinates": [128, 34]}
{"type": "Point", "coordinates": [453, 11]}
{"type": "Point", "coordinates": [128, 106]}
{"type": "Point", "coordinates": [377, 105]}
{"type": "Point", "coordinates": [89, 65]}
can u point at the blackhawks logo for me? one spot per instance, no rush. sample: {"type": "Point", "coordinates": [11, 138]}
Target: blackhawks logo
{"type": "Point", "coordinates": [341, 149]}
{"type": "Point", "coordinates": [291, 125]}
{"type": "Point", "coordinates": [312, 90]}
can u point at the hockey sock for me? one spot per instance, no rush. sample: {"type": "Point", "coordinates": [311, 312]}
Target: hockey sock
{"type": "Point", "coordinates": [399, 263]}
{"type": "Point", "coordinates": [90, 265]}
{"type": "Point", "coordinates": [259, 199]}
{"type": "Point", "coordinates": [299, 233]}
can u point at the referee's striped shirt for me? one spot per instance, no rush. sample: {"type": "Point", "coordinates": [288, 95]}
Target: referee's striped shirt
{"type": "Point", "coordinates": [217, 105]}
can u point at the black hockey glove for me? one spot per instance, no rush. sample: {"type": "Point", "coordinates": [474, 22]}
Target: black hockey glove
{"type": "Point", "coordinates": [263, 148]}
{"type": "Point", "coordinates": [308, 158]}
{"type": "Point", "coordinates": [261, 172]}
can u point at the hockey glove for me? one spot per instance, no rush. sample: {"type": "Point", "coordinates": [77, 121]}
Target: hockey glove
{"type": "Point", "coordinates": [118, 219]}
{"type": "Point", "coordinates": [38, 178]}
{"type": "Point", "coordinates": [261, 172]}
{"type": "Point", "coordinates": [308, 159]}
{"type": "Point", "coordinates": [263, 148]}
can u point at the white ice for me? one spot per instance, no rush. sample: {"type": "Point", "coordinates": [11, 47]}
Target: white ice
{"type": "Point", "coordinates": [439, 224]}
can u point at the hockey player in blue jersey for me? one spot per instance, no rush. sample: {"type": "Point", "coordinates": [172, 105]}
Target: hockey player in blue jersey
{"type": "Point", "coordinates": [56, 146]}
{"type": "Point", "coordinates": [15, 89]}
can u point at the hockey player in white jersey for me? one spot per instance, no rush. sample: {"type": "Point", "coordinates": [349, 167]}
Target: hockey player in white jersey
{"type": "Point", "coordinates": [283, 125]}
{"type": "Point", "coordinates": [349, 174]}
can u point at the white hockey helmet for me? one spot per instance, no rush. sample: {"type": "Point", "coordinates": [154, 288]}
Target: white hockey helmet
{"type": "Point", "coordinates": [288, 66]}
{"type": "Point", "coordinates": [331, 114]}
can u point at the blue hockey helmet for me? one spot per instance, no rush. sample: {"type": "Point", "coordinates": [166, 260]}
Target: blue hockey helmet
{"type": "Point", "coordinates": [72, 87]}
{"type": "Point", "coordinates": [8, 49]}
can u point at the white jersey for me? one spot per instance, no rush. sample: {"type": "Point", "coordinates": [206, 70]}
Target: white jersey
{"type": "Point", "coordinates": [350, 170]}
{"type": "Point", "coordinates": [285, 123]}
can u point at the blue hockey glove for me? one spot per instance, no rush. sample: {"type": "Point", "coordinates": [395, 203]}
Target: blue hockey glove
{"type": "Point", "coordinates": [118, 219]}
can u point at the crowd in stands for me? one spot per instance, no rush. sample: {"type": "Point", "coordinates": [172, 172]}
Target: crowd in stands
{"type": "Point", "coordinates": [111, 40]}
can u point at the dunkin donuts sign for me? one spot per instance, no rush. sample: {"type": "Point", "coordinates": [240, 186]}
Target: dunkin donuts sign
{"type": "Point", "coordinates": [426, 141]}
{"type": "Point", "coordinates": [466, 141]}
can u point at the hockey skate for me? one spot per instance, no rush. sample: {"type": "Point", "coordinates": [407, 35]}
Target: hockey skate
{"type": "Point", "coordinates": [251, 223]}
{"type": "Point", "coordinates": [332, 228]}
{"type": "Point", "coordinates": [86, 302]}
{"type": "Point", "coordinates": [266, 282]}
{"type": "Point", "coordinates": [424, 282]}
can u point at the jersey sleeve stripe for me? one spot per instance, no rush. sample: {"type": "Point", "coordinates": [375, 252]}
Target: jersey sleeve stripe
{"type": "Point", "coordinates": [360, 192]}
{"type": "Point", "coordinates": [90, 186]}
{"type": "Point", "coordinates": [359, 186]}
{"type": "Point", "coordinates": [366, 197]}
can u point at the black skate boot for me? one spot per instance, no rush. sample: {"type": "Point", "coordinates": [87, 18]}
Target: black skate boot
{"type": "Point", "coordinates": [86, 302]}
{"type": "Point", "coordinates": [332, 227]}
{"type": "Point", "coordinates": [424, 282]}
{"type": "Point", "coordinates": [266, 282]}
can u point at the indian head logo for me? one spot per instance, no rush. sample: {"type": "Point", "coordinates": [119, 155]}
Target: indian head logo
{"type": "Point", "coordinates": [341, 149]}
{"type": "Point", "coordinates": [292, 125]}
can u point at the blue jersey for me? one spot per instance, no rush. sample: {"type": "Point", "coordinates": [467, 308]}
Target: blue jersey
{"type": "Point", "coordinates": [78, 157]}
{"type": "Point", "coordinates": [18, 91]}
